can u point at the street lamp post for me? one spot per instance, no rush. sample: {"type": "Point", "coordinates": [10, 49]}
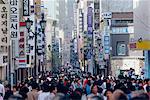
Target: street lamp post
{"type": "Point", "coordinates": [29, 23]}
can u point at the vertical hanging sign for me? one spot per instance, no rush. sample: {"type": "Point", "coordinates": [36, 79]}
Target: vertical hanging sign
{"type": "Point", "coordinates": [90, 20]}
{"type": "Point", "coordinates": [14, 18]}
{"type": "Point", "coordinates": [26, 11]}
{"type": "Point", "coordinates": [4, 34]}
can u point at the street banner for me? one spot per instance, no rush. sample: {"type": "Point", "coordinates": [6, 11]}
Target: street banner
{"type": "Point", "coordinates": [4, 33]}
{"type": "Point", "coordinates": [14, 19]}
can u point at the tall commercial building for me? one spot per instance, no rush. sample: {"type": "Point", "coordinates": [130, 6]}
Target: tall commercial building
{"type": "Point", "coordinates": [118, 30]}
{"type": "Point", "coordinates": [66, 24]}
{"type": "Point", "coordinates": [4, 41]}
{"type": "Point", "coordinates": [141, 38]}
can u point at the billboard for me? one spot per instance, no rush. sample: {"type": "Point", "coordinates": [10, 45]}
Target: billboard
{"type": "Point", "coordinates": [14, 18]}
{"type": "Point", "coordinates": [4, 33]}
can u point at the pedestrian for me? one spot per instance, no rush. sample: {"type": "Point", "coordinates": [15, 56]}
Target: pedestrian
{"type": "Point", "coordinates": [94, 92]}
{"type": "Point", "coordinates": [44, 95]}
{"type": "Point", "coordinates": [8, 92]}
{"type": "Point", "coordinates": [2, 89]}
{"type": "Point", "coordinates": [53, 91]}
{"type": "Point", "coordinates": [108, 94]}
{"type": "Point", "coordinates": [33, 94]}
{"type": "Point", "coordinates": [119, 95]}
{"type": "Point", "coordinates": [23, 91]}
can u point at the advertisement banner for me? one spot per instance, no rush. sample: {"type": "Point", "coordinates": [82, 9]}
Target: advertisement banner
{"type": "Point", "coordinates": [22, 50]}
{"type": "Point", "coordinates": [90, 20]}
{"type": "Point", "coordinates": [4, 33]}
{"type": "Point", "coordinates": [14, 18]}
{"type": "Point", "coordinates": [96, 15]}
{"type": "Point", "coordinates": [26, 9]}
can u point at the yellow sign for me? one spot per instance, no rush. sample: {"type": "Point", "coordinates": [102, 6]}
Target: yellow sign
{"type": "Point", "coordinates": [140, 45]}
{"type": "Point", "coordinates": [143, 45]}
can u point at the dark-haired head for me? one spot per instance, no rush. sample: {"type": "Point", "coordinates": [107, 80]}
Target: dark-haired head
{"type": "Point", "coordinates": [142, 96]}
{"type": "Point", "coordinates": [45, 87]}
{"type": "Point", "coordinates": [97, 98]}
{"type": "Point", "coordinates": [34, 85]}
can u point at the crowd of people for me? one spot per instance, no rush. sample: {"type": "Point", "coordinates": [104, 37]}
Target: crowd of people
{"type": "Point", "coordinates": [77, 87]}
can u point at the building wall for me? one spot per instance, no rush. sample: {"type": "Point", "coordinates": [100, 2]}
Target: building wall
{"type": "Point", "coordinates": [141, 19]}
{"type": "Point", "coordinates": [125, 64]}
{"type": "Point", "coordinates": [117, 5]}
{"type": "Point", "coordinates": [122, 31]}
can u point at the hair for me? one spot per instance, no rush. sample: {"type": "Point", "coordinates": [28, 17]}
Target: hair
{"type": "Point", "coordinates": [52, 87]}
{"type": "Point", "coordinates": [34, 85]}
{"type": "Point", "coordinates": [148, 88]}
{"type": "Point", "coordinates": [142, 96]}
{"type": "Point", "coordinates": [93, 86]}
{"type": "Point", "coordinates": [45, 87]}
{"type": "Point", "coordinates": [13, 97]}
{"type": "Point", "coordinates": [119, 95]}
{"type": "Point", "coordinates": [97, 98]}
{"type": "Point", "coordinates": [107, 91]}
{"type": "Point", "coordinates": [60, 96]}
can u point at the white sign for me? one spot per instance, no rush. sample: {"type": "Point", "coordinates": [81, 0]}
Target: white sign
{"type": "Point", "coordinates": [107, 15]}
{"type": "Point", "coordinates": [22, 47]}
{"type": "Point", "coordinates": [4, 33]}
{"type": "Point", "coordinates": [14, 18]}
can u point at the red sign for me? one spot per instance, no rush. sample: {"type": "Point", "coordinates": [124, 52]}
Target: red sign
{"type": "Point", "coordinates": [132, 45]}
{"type": "Point", "coordinates": [22, 45]}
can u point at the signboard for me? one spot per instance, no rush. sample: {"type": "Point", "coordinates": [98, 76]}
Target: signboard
{"type": "Point", "coordinates": [96, 15]}
{"type": "Point", "coordinates": [4, 33]}
{"type": "Point", "coordinates": [26, 9]}
{"type": "Point", "coordinates": [90, 20]}
{"type": "Point", "coordinates": [142, 45]}
{"type": "Point", "coordinates": [107, 15]}
{"type": "Point", "coordinates": [14, 18]}
{"type": "Point", "coordinates": [22, 51]}
{"type": "Point", "coordinates": [106, 44]}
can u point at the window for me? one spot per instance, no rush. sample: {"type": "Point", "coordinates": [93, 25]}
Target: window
{"type": "Point", "coordinates": [121, 48]}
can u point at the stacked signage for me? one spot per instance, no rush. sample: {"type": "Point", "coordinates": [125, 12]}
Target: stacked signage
{"type": "Point", "coordinates": [22, 54]}
{"type": "Point", "coordinates": [90, 31]}
{"type": "Point", "coordinates": [4, 34]}
{"type": "Point", "coordinates": [22, 46]}
{"type": "Point", "coordinates": [14, 18]}
{"type": "Point", "coordinates": [106, 16]}
{"type": "Point", "coordinates": [96, 14]}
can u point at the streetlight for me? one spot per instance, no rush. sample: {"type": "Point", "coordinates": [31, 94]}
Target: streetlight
{"type": "Point", "coordinates": [29, 23]}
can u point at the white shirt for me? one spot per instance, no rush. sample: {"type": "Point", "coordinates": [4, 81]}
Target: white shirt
{"type": "Point", "coordinates": [2, 89]}
{"type": "Point", "coordinates": [44, 96]}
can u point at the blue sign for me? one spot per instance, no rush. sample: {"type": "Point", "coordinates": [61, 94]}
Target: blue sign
{"type": "Point", "coordinates": [90, 20]}
{"type": "Point", "coordinates": [106, 44]}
